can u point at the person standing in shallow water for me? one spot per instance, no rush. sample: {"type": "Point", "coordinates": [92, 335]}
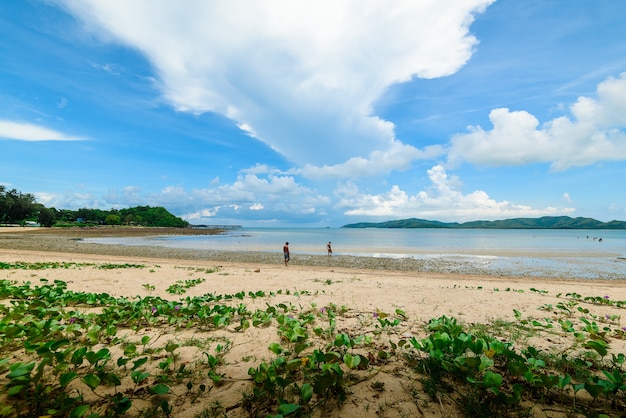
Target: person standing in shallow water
{"type": "Point", "coordinates": [286, 252]}
{"type": "Point", "coordinates": [329, 248]}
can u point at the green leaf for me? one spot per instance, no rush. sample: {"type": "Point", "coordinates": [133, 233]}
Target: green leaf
{"type": "Point", "coordinates": [306, 393]}
{"type": "Point", "coordinates": [492, 379]}
{"type": "Point", "coordinates": [20, 369]}
{"type": "Point", "coordinates": [139, 376]}
{"type": "Point", "coordinates": [66, 378]}
{"type": "Point", "coordinates": [130, 350]}
{"type": "Point", "coordinates": [139, 362]}
{"type": "Point", "coordinates": [332, 357]}
{"type": "Point", "coordinates": [92, 381]}
{"type": "Point", "coordinates": [300, 347]}
{"type": "Point", "coordinates": [598, 345]}
{"type": "Point", "coordinates": [593, 389]}
{"type": "Point", "coordinates": [401, 313]}
{"type": "Point", "coordinates": [159, 389]}
{"type": "Point", "coordinates": [15, 390]}
{"type": "Point", "coordinates": [79, 411]}
{"type": "Point", "coordinates": [288, 408]}
{"type": "Point", "coordinates": [485, 363]}
{"type": "Point", "coordinates": [170, 347]}
{"type": "Point", "coordinates": [294, 364]}
{"type": "Point", "coordinates": [351, 361]}
{"type": "Point", "coordinates": [275, 348]}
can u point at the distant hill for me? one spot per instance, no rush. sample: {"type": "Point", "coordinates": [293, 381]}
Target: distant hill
{"type": "Point", "coordinates": [546, 222]}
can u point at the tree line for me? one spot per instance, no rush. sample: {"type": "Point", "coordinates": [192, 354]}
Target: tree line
{"type": "Point", "coordinates": [20, 208]}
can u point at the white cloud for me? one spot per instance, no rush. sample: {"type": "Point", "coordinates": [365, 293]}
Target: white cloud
{"type": "Point", "coordinates": [212, 212]}
{"type": "Point", "coordinates": [567, 198]}
{"type": "Point", "coordinates": [29, 132]}
{"type": "Point", "coordinates": [280, 193]}
{"type": "Point", "coordinates": [250, 196]}
{"type": "Point", "coordinates": [300, 76]}
{"type": "Point", "coordinates": [71, 200]}
{"type": "Point", "coordinates": [442, 200]}
{"type": "Point", "coordinates": [266, 199]}
{"type": "Point", "coordinates": [397, 157]}
{"type": "Point", "coordinates": [594, 132]}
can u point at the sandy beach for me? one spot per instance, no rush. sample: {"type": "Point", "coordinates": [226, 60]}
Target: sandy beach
{"type": "Point", "coordinates": [309, 283]}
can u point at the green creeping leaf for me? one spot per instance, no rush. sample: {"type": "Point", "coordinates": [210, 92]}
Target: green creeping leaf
{"type": "Point", "coordinates": [139, 376]}
{"type": "Point", "coordinates": [598, 345]}
{"type": "Point", "coordinates": [139, 362]}
{"type": "Point", "coordinates": [351, 361]}
{"type": "Point", "coordinates": [3, 363]}
{"type": "Point", "coordinates": [78, 356]}
{"type": "Point", "coordinates": [288, 408]}
{"type": "Point", "coordinates": [306, 393]}
{"type": "Point", "coordinates": [485, 363]}
{"type": "Point", "coordinates": [20, 369]}
{"type": "Point", "coordinates": [159, 389]}
{"type": "Point", "coordinates": [130, 350]}
{"type": "Point", "coordinates": [300, 347]}
{"type": "Point", "coordinates": [14, 390]}
{"type": "Point", "coordinates": [594, 390]}
{"type": "Point", "coordinates": [170, 347]}
{"type": "Point", "coordinates": [564, 381]}
{"type": "Point", "coordinates": [216, 378]}
{"type": "Point", "coordinates": [92, 381]}
{"type": "Point", "coordinates": [294, 364]}
{"type": "Point", "coordinates": [66, 378]}
{"type": "Point", "coordinates": [79, 411]}
{"type": "Point", "coordinates": [276, 348]}
{"type": "Point", "coordinates": [492, 380]}
{"type": "Point", "coordinates": [95, 357]}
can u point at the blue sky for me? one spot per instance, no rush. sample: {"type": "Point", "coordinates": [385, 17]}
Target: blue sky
{"type": "Point", "coordinates": [293, 113]}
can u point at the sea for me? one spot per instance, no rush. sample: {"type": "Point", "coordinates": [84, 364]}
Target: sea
{"type": "Point", "coordinates": [586, 254]}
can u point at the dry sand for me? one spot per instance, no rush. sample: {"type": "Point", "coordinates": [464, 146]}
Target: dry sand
{"type": "Point", "coordinates": [421, 295]}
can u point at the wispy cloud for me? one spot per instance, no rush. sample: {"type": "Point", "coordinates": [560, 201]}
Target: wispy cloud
{"type": "Point", "coordinates": [29, 132]}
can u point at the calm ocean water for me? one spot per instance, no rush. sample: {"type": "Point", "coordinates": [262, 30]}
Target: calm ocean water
{"type": "Point", "coordinates": [589, 254]}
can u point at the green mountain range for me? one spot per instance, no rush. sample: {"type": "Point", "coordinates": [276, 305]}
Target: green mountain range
{"type": "Point", "coordinates": [546, 222]}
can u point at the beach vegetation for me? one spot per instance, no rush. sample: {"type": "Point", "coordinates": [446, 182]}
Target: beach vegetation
{"type": "Point", "coordinates": [79, 354]}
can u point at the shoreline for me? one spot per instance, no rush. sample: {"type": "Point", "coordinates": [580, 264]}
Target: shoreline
{"type": "Point", "coordinates": [72, 241]}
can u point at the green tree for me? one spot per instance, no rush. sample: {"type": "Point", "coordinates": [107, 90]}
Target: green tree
{"type": "Point", "coordinates": [16, 206]}
{"type": "Point", "coordinates": [66, 215]}
{"type": "Point", "coordinates": [153, 216]}
{"type": "Point", "coordinates": [112, 219]}
{"type": "Point", "coordinates": [47, 216]}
